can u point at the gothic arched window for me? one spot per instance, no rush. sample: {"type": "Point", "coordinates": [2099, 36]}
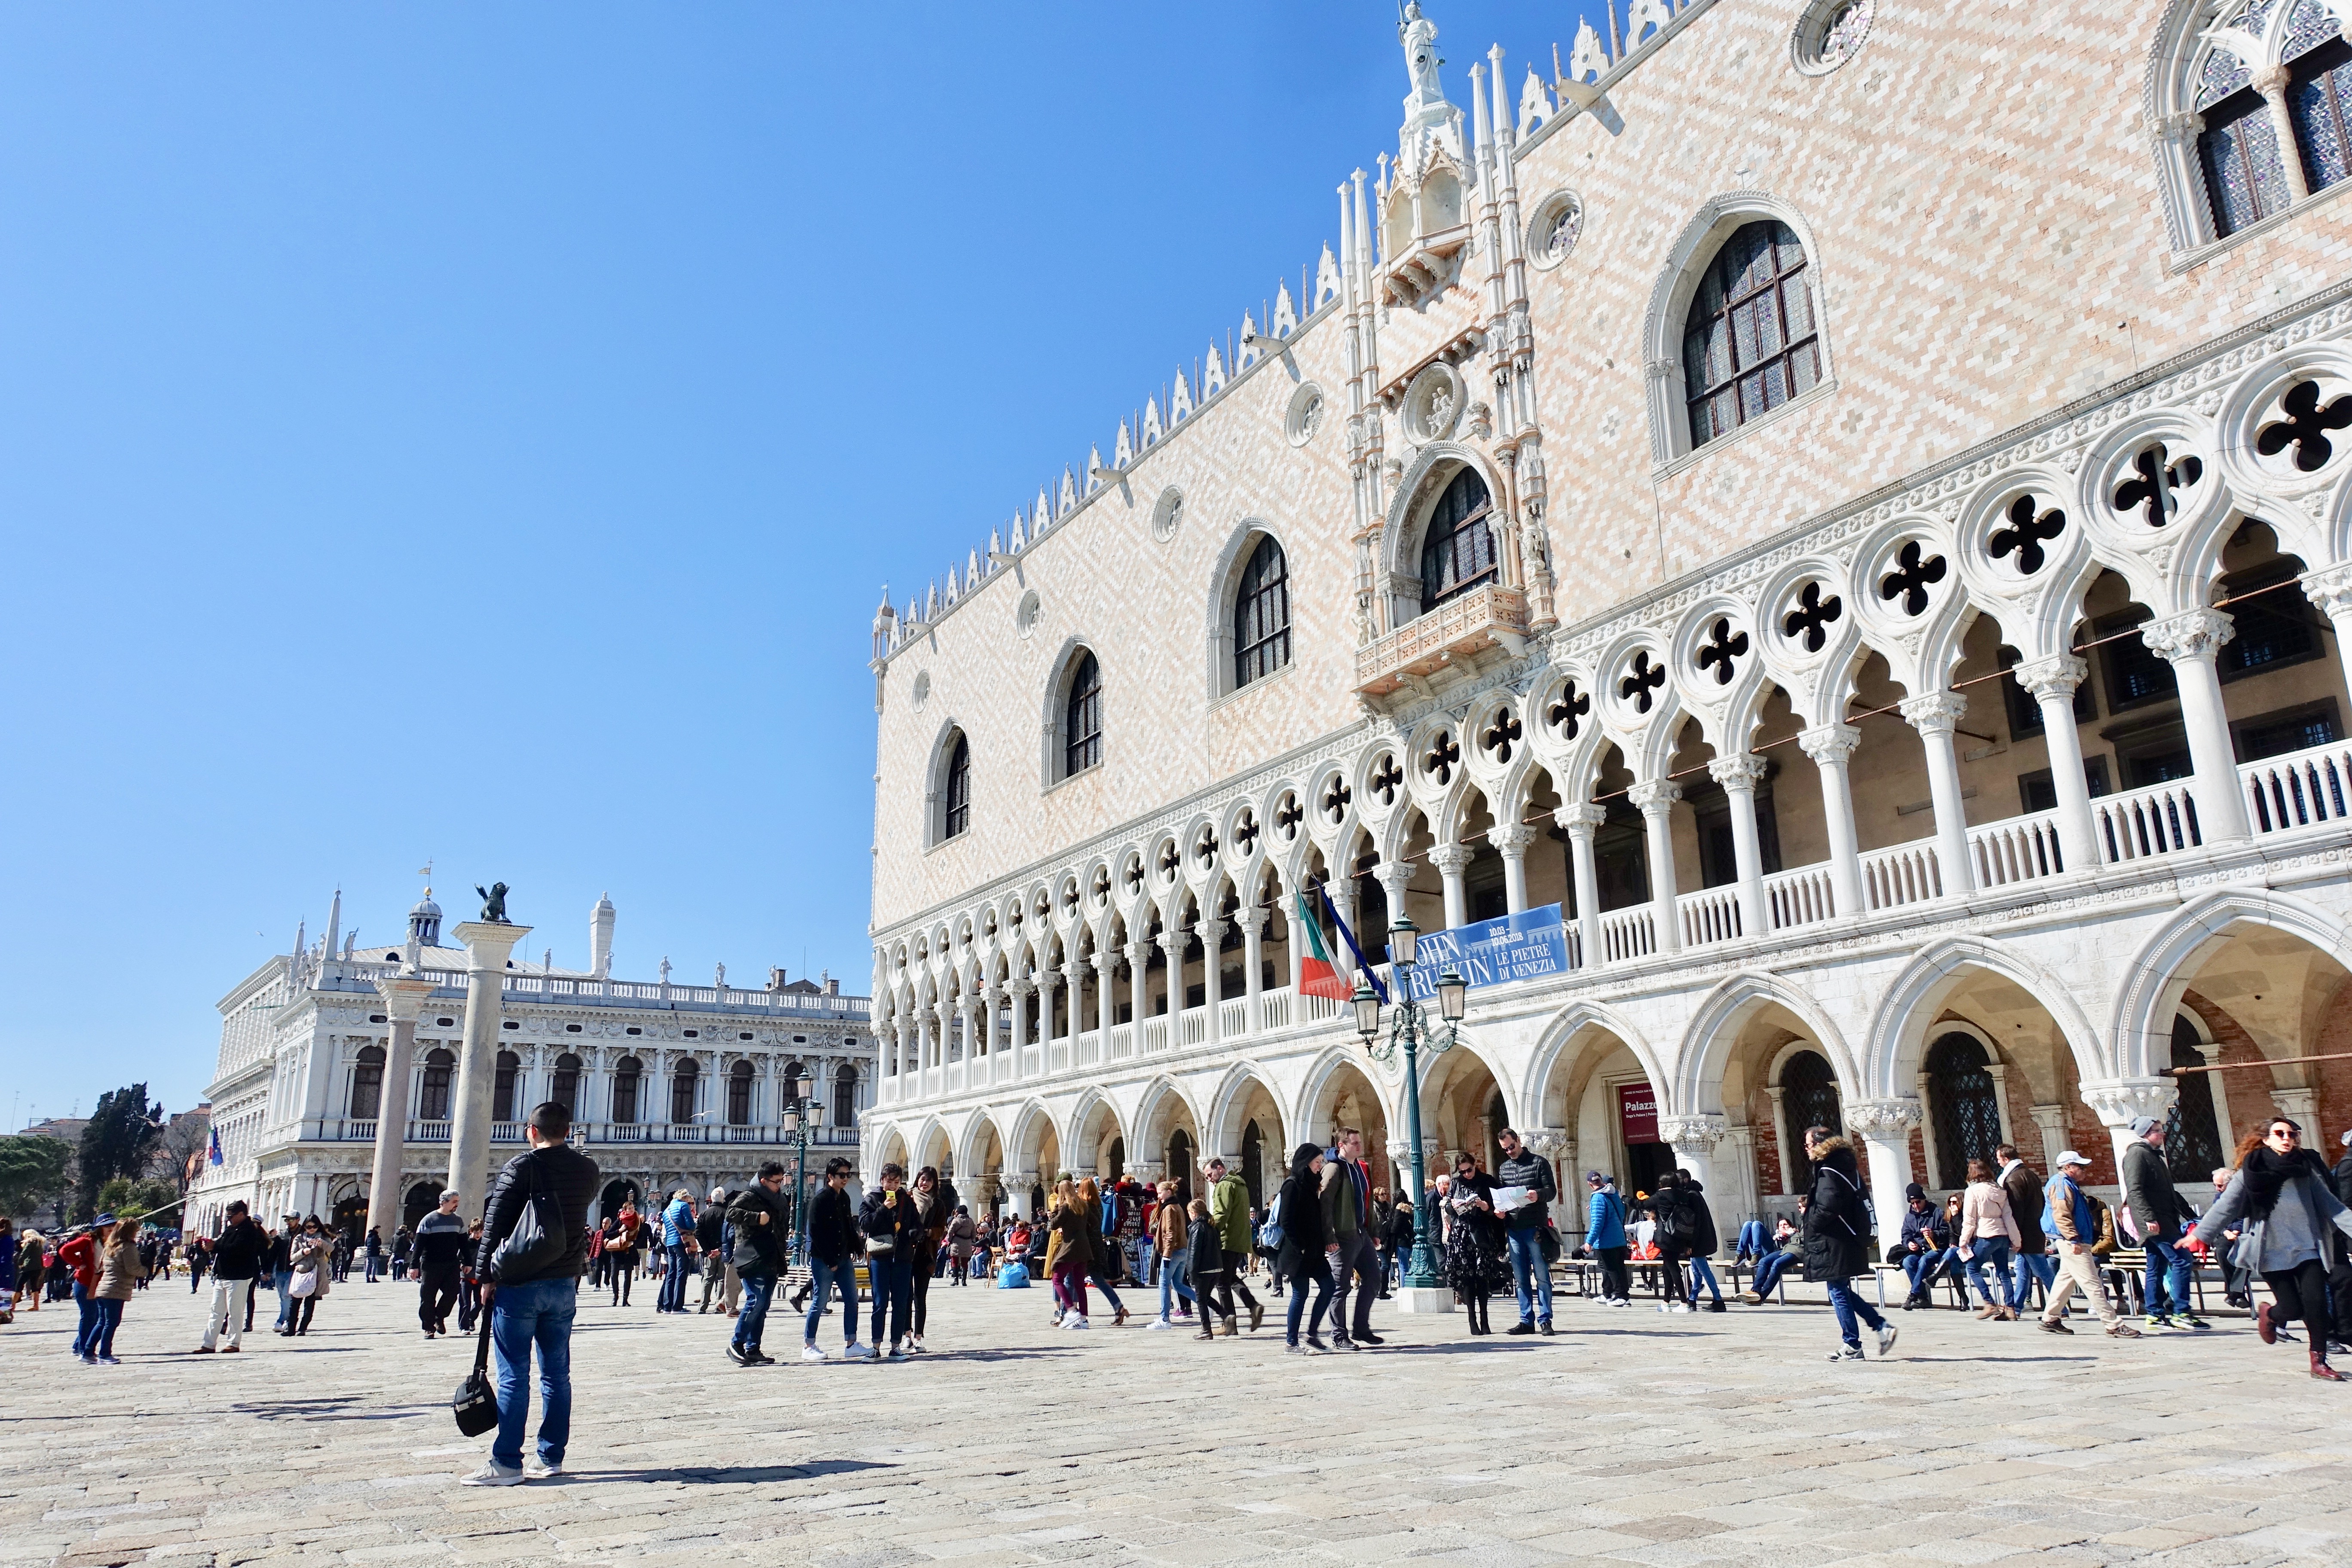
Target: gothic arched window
{"type": "Point", "coordinates": [845, 1096]}
{"type": "Point", "coordinates": [2193, 1149]}
{"type": "Point", "coordinates": [440, 1070]}
{"type": "Point", "coordinates": [1962, 1105]}
{"type": "Point", "coordinates": [739, 1095]}
{"type": "Point", "coordinates": [1457, 548]}
{"type": "Point", "coordinates": [958, 789]}
{"type": "Point", "coordinates": [2271, 87]}
{"type": "Point", "coordinates": [367, 1084]}
{"type": "Point", "coordinates": [1262, 614]}
{"type": "Point", "coordinates": [1750, 343]}
{"type": "Point", "coordinates": [1082, 717]}
{"type": "Point", "coordinates": [502, 1088]}
{"type": "Point", "coordinates": [1809, 1098]}
{"type": "Point", "coordinates": [564, 1088]}
{"type": "Point", "coordinates": [628, 1076]}
{"type": "Point", "coordinates": [681, 1091]}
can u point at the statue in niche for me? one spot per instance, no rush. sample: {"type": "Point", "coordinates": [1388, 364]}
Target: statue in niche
{"type": "Point", "coordinates": [494, 903]}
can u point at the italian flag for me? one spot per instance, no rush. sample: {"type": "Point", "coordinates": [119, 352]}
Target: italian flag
{"type": "Point", "coordinates": [1317, 976]}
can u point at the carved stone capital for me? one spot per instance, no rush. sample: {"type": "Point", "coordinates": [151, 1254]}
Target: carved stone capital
{"type": "Point", "coordinates": [2056, 676]}
{"type": "Point", "coordinates": [2331, 590]}
{"type": "Point", "coordinates": [1549, 1142]}
{"type": "Point", "coordinates": [1651, 796]}
{"type": "Point", "coordinates": [1740, 770]}
{"type": "Point", "coordinates": [1830, 743]}
{"type": "Point", "coordinates": [1512, 842]}
{"type": "Point", "coordinates": [1450, 858]}
{"type": "Point", "coordinates": [2198, 634]}
{"type": "Point", "coordinates": [1888, 1119]}
{"type": "Point", "coordinates": [2119, 1102]}
{"type": "Point", "coordinates": [1213, 931]}
{"type": "Point", "coordinates": [1578, 821]}
{"type": "Point", "coordinates": [1936, 713]}
{"type": "Point", "coordinates": [1702, 1132]}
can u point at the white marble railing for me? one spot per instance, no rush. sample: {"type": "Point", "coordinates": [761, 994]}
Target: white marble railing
{"type": "Point", "coordinates": [1191, 1025]}
{"type": "Point", "coordinates": [1122, 1041]}
{"type": "Point", "coordinates": [1710, 916]}
{"type": "Point", "coordinates": [2020, 849]}
{"type": "Point", "coordinates": [1627, 934]}
{"type": "Point", "coordinates": [2160, 819]}
{"type": "Point", "coordinates": [1900, 875]}
{"type": "Point", "coordinates": [1233, 1018]}
{"type": "Point", "coordinates": [1799, 898]}
{"type": "Point", "coordinates": [2299, 789]}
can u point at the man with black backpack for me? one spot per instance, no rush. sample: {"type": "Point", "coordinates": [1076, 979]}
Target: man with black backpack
{"type": "Point", "coordinates": [534, 1245]}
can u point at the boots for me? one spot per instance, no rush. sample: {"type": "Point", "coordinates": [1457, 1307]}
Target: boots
{"type": "Point", "coordinates": [1988, 1311]}
{"type": "Point", "coordinates": [2321, 1370]}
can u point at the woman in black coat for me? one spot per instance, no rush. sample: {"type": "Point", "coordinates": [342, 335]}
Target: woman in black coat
{"type": "Point", "coordinates": [1305, 1238]}
{"type": "Point", "coordinates": [1836, 1240]}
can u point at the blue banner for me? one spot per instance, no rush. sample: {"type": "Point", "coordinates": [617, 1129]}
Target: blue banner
{"type": "Point", "coordinates": [1524, 946]}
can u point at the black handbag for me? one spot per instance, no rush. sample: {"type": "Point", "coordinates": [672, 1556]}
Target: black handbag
{"type": "Point", "coordinates": [536, 1243]}
{"type": "Point", "coordinates": [476, 1404]}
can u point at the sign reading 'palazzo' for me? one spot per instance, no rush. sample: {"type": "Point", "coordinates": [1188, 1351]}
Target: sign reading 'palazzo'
{"type": "Point", "coordinates": [1526, 946]}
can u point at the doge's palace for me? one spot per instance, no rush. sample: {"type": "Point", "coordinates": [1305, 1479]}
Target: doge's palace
{"type": "Point", "coordinates": [1838, 513]}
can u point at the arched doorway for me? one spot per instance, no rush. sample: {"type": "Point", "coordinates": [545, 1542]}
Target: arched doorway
{"type": "Point", "coordinates": [423, 1198]}
{"type": "Point", "coordinates": [1180, 1164]}
{"type": "Point", "coordinates": [1963, 1106]}
{"type": "Point", "coordinates": [1252, 1171]}
{"type": "Point", "coordinates": [617, 1193]}
{"type": "Point", "coordinates": [351, 1217]}
{"type": "Point", "coordinates": [2192, 1136]}
{"type": "Point", "coordinates": [1809, 1098]}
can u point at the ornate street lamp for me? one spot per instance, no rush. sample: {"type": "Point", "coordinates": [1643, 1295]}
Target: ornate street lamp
{"type": "Point", "coordinates": [1406, 1027]}
{"type": "Point", "coordinates": [799, 1115]}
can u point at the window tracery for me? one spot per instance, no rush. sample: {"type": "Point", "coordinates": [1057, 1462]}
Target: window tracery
{"type": "Point", "coordinates": [1082, 726]}
{"type": "Point", "coordinates": [1750, 343]}
{"type": "Point", "coordinates": [1457, 549]}
{"type": "Point", "coordinates": [958, 791]}
{"type": "Point", "coordinates": [1262, 614]}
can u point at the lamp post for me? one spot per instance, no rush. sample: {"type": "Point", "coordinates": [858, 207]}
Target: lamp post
{"type": "Point", "coordinates": [799, 1115]}
{"type": "Point", "coordinates": [1406, 1027]}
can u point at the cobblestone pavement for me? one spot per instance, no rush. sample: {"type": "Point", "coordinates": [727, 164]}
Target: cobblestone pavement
{"type": "Point", "coordinates": [1632, 1438]}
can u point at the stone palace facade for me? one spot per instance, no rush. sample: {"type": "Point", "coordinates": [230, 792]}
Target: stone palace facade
{"type": "Point", "coordinates": [669, 1085]}
{"type": "Point", "coordinates": [1851, 503]}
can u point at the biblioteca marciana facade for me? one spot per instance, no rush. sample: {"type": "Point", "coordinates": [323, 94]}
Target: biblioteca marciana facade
{"type": "Point", "coordinates": [1839, 513]}
{"type": "Point", "coordinates": [670, 1086]}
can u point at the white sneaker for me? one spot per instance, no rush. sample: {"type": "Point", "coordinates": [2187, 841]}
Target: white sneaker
{"type": "Point", "coordinates": [1075, 1323]}
{"type": "Point", "coordinates": [1885, 1340]}
{"type": "Point", "coordinates": [1159, 1323]}
{"type": "Point", "coordinates": [538, 1469]}
{"type": "Point", "coordinates": [493, 1474]}
{"type": "Point", "coordinates": [858, 1353]}
{"type": "Point", "coordinates": [810, 1353]}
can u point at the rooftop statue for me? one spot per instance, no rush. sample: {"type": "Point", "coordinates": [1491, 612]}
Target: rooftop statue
{"type": "Point", "coordinates": [494, 903]}
{"type": "Point", "coordinates": [1418, 36]}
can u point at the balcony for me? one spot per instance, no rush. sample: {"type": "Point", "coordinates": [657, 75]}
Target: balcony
{"type": "Point", "coordinates": [354, 1129]}
{"type": "Point", "coordinates": [1456, 632]}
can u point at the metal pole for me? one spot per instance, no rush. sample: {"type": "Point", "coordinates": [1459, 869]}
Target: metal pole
{"type": "Point", "coordinates": [800, 1193]}
{"type": "Point", "coordinates": [1425, 1273]}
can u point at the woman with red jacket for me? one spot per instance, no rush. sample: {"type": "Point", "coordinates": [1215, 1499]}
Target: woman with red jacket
{"type": "Point", "coordinates": [78, 1255]}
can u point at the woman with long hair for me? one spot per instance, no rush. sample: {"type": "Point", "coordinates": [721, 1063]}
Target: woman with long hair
{"type": "Point", "coordinates": [310, 1254]}
{"type": "Point", "coordinates": [1986, 1236]}
{"type": "Point", "coordinates": [1474, 1266]}
{"type": "Point", "coordinates": [1069, 1253]}
{"type": "Point", "coordinates": [118, 1276]}
{"type": "Point", "coordinates": [1306, 1246]}
{"type": "Point", "coordinates": [621, 1246]}
{"type": "Point", "coordinates": [2282, 1204]}
{"type": "Point", "coordinates": [931, 1216]}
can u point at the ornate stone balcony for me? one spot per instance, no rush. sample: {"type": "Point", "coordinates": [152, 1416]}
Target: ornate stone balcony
{"type": "Point", "coordinates": [1456, 631]}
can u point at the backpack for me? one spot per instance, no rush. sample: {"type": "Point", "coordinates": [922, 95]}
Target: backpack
{"type": "Point", "coordinates": [1674, 1223]}
{"type": "Point", "coordinates": [1269, 1235]}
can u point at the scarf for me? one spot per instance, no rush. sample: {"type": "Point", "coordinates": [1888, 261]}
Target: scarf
{"type": "Point", "coordinates": [2268, 1172]}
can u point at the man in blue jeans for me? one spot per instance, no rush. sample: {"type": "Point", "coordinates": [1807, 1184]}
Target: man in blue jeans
{"type": "Point", "coordinates": [677, 1229]}
{"type": "Point", "coordinates": [2161, 1217]}
{"type": "Point", "coordinates": [756, 1219]}
{"type": "Point", "coordinates": [890, 1226]}
{"type": "Point", "coordinates": [534, 1306]}
{"type": "Point", "coordinates": [1531, 1272]}
{"type": "Point", "coordinates": [834, 1247]}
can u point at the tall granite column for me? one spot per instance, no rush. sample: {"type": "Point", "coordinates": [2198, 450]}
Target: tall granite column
{"type": "Point", "coordinates": [486, 947]}
{"type": "Point", "coordinates": [403, 997]}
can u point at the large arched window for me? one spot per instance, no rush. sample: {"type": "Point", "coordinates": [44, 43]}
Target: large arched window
{"type": "Point", "coordinates": [1962, 1105]}
{"type": "Point", "coordinates": [628, 1080]}
{"type": "Point", "coordinates": [681, 1090]}
{"type": "Point", "coordinates": [1749, 343]}
{"type": "Point", "coordinates": [959, 790]}
{"type": "Point", "coordinates": [1457, 548]}
{"type": "Point", "coordinates": [2193, 1148]}
{"type": "Point", "coordinates": [564, 1087]}
{"type": "Point", "coordinates": [1809, 1098]}
{"type": "Point", "coordinates": [2267, 85]}
{"type": "Point", "coordinates": [367, 1084]}
{"type": "Point", "coordinates": [844, 1096]}
{"type": "Point", "coordinates": [1082, 717]}
{"type": "Point", "coordinates": [440, 1070]}
{"type": "Point", "coordinates": [1262, 614]}
{"type": "Point", "coordinates": [502, 1087]}
{"type": "Point", "coordinates": [739, 1095]}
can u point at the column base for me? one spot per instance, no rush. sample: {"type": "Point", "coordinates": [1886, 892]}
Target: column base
{"type": "Point", "coordinates": [1410, 1298]}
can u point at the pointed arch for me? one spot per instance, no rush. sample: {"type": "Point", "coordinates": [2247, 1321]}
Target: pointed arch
{"type": "Point", "coordinates": [2140, 1037]}
{"type": "Point", "coordinates": [1707, 1043]}
{"type": "Point", "coordinates": [1568, 1031]}
{"type": "Point", "coordinates": [1907, 1010]}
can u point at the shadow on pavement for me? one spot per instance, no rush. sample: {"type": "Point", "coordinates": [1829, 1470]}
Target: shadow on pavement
{"type": "Point", "coordinates": [740, 1475]}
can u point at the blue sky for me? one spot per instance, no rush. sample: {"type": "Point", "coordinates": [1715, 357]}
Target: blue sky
{"type": "Point", "coordinates": [480, 433]}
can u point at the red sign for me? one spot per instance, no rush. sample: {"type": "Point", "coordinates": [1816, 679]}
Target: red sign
{"type": "Point", "coordinates": [1637, 1112]}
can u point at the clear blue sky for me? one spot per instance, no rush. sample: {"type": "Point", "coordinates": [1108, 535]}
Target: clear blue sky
{"type": "Point", "coordinates": [480, 432]}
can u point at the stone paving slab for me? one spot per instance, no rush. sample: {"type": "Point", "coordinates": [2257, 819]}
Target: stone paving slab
{"type": "Point", "coordinates": [1632, 1438]}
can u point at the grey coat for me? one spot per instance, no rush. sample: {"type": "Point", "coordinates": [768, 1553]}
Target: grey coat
{"type": "Point", "coordinates": [2155, 1207]}
{"type": "Point", "coordinates": [2297, 1229]}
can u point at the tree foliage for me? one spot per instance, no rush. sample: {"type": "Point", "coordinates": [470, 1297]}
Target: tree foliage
{"type": "Point", "coordinates": [121, 1134]}
{"type": "Point", "coordinates": [32, 1169]}
{"type": "Point", "coordinates": [156, 1202]}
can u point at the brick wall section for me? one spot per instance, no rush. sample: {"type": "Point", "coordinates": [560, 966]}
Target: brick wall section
{"type": "Point", "coordinates": [2249, 1090]}
{"type": "Point", "coordinates": [2084, 1129]}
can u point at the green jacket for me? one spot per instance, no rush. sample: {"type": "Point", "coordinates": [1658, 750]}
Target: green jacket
{"type": "Point", "coordinates": [1229, 1210]}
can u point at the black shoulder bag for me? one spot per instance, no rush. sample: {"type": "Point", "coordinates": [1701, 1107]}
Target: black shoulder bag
{"type": "Point", "coordinates": [475, 1405]}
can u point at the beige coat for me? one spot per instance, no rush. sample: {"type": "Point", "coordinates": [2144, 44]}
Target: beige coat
{"type": "Point", "coordinates": [320, 1253]}
{"type": "Point", "coordinates": [118, 1265]}
{"type": "Point", "coordinates": [1984, 1213]}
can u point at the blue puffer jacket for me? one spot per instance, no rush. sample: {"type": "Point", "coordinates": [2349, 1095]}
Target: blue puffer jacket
{"type": "Point", "coordinates": [1604, 1223]}
{"type": "Point", "coordinates": [678, 1223]}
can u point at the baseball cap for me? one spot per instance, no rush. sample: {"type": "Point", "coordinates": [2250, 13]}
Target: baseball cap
{"type": "Point", "coordinates": [2068, 1157]}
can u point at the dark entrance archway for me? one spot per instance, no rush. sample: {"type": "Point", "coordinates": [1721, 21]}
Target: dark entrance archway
{"type": "Point", "coordinates": [423, 1198]}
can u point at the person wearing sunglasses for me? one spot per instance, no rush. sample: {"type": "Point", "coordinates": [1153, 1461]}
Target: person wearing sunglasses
{"type": "Point", "coordinates": [2283, 1204]}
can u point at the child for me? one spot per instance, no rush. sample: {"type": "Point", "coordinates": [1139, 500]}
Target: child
{"type": "Point", "coordinates": [1204, 1257]}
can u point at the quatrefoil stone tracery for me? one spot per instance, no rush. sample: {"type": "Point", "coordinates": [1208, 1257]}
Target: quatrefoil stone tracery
{"type": "Point", "coordinates": [1568, 709]}
{"type": "Point", "coordinates": [1913, 575]}
{"type": "Point", "coordinates": [1386, 779]}
{"type": "Point", "coordinates": [2305, 426]}
{"type": "Point", "coordinates": [1502, 736]}
{"type": "Point", "coordinates": [1642, 679]}
{"type": "Point", "coordinates": [1444, 757]}
{"type": "Point", "coordinates": [1722, 649]}
{"type": "Point", "coordinates": [2157, 475]}
{"type": "Point", "coordinates": [2027, 531]}
{"type": "Point", "coordinates": [1806, 623]}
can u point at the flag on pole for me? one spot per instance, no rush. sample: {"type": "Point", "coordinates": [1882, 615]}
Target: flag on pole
{"type": "Point", "coordinates": [1319, 977]}
{"type": "Point", "coordinates": [214, 1154]}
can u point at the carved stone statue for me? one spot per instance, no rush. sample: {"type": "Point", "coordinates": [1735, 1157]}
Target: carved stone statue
{"type": "Point", "coordinates": [494, 903]}
{"type": "Point", "coordinates": [1418, 36]}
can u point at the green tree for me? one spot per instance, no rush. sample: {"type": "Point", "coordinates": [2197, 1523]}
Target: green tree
{"type": "Point", "coordinates": [154, 1200]}
{"type": "Point", "coordinates": [32, 1169]}
{"type": "Point", "coordinates": [122, 1133]}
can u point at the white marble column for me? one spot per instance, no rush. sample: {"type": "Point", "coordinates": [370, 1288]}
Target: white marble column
{"type": "Point", "coordinates": [1739, 773]}
{"type": "Point", "coordinates": [2331, 590]}
{"type": "Point", "coordinates": [1139, 989]}
{"type": "Point", "coordinates": [2052, 682]}
{"type": "Point", "coordinates": [2272, 81]}
{"type": "Point", "coordinates": [1934, 716]}
{"type": "Point", "coordinates": [403, 998]}
{"type": "Point", "coordinates": [2050, 1120]}
{"type": "Point", "coordinates": [1884, 1127]}
{"type": "Point", "coordinates": [2118, 1100]}
{"type": "Point", "coordinates": [2190, 644]}
{"type": "Point", "coordinates": [1047, 981]}
{"type": "Point", "coordinates": [1694, 1139]}
{"type": "Point", "coordinates": [1450, 859]}
{"type": "Point", "coordinates": [1830, 746]}
{"type": "Point", "coordinates": [1654, 798]}
{"type": "Point", "coordinates": [2218, 1084]}
{"type": "Point", "coordinates": [1171, 956]}
{"type": "Point", "coordinates": [1253, 962]}
{"type": "Point", "coordinates": [1511, 842]}
{"type": "Point", "coordinates": [1105, 987]}
{"type": "Point", "coordinates": [1212, 976]}
{"type": "Point", "coordinates": [1343, 904]}
{"type": "Point", "coordinates": [488, 943]}
{"type": "Point", "coordinates": [1579, 823]}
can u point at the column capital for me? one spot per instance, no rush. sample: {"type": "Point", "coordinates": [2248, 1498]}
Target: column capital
{"type": "Point", "coordinates": [1551, 1142]}
{"type": "Point", "coordinates": [1651, 796]}
{"type": "Point", "coordinates": [2271, 79]}
{"type": "Point", "coordinates": [488, 943]}
{"type": "Point", "coordinates": [1581, 820]}
{"type": "Point", "coordinates": [2299, 1103]}
{"type": "Point", "coordinates": [1450, 858]}
{"type": "Point", "coordinates": [2197, 635]}
{"type": "Point", "coordinates": [1105, 957]}
{"type": "Point", "coordinates": [2119, 1101]}
{"type": "Point", "coordinates": [1891, 1118]}
{"type": "Point", "coordinates": [1139, 953]}
{"type": "Point", "coordinates": [403, 997]}
{"type": "Point", "coordinates": [2331, 590]}
{"type": "Point", "coordinates": [1020, 985]}
{"type": "Point", "coordinates": [1828, 743]}
{"type": "Point", "coordinates": [1706, 1130]}
{"type": "Point", "coordinates": [2056, 676]}
{"type": "Point", "coordinates": [1251, 918]}
{"type": "Point", "coordinates": [1213, 931]}
{"type": "Point", "coordinates": [1936, 713]}
{"type": "Point", "coordinates": [1739, 771]}
{"type": "Point", "coordinates": [1512, 840]}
